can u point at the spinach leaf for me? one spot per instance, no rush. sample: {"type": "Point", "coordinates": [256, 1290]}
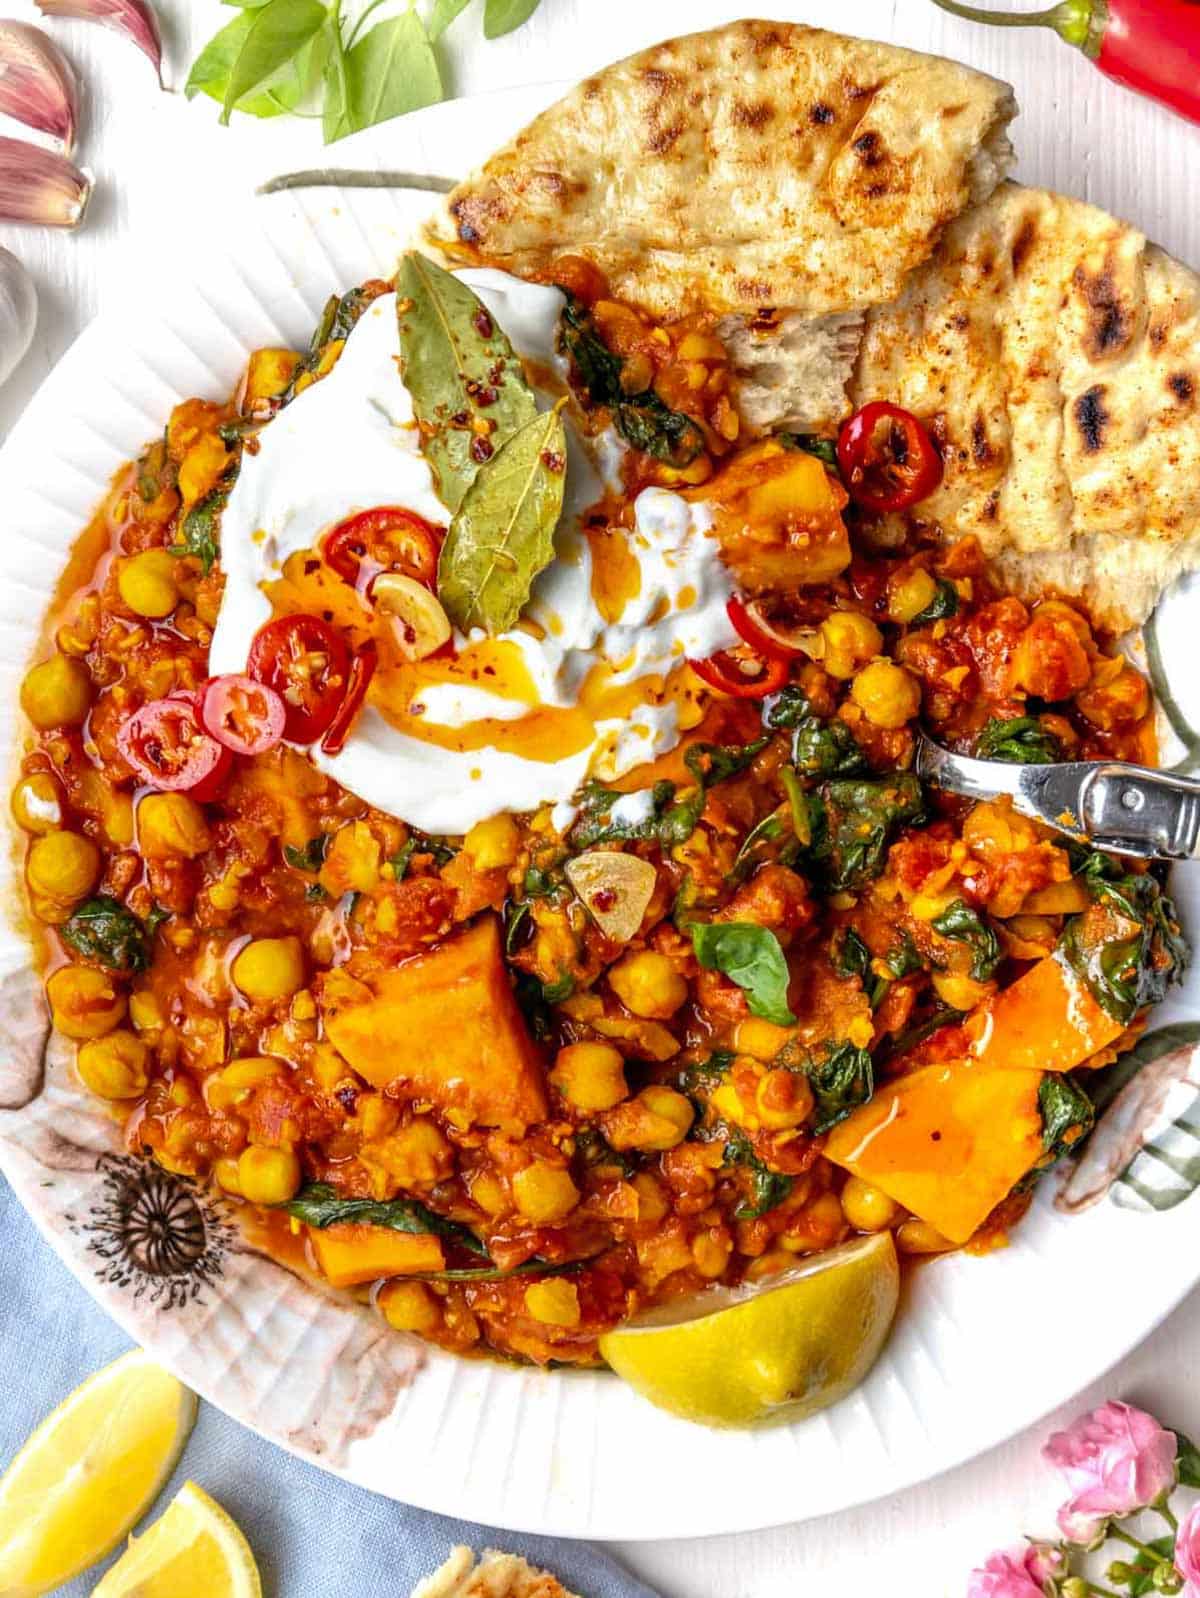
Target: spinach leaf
{"type": "Point", "coordinates": [841, 1081]}
{"type": "Point", "coordinates": [561, 988]}
{"type": "Point", "coordinates": [767, 1188]}
{"type": "Point", "coordinates": [750, 956]}
{"type": "Point", "coordinates": [311, 857]}
{"type": "Point", "coordinates": [516, 924]}
{"type": "Point", "coordinates": [850, 956]}
{"type": "Point", "coordinates": [1021, 740]}
{"type": "Point", "coordinates": [855, 821]}
{"type": "Point", "coordinates": [713, 763]}
{"type": "Point", "coordinates": [540, 883]}
{"type": "Point", "coordinates": [826, 749]}
{"type": "Point", "coordinates": [902, 958]}
{"type": "Point", "coordinates": [155, 472]}
{"type": "Point", "coordinates": [704, 1074]}
{"type": "Point", "coordinates": [825, 449]}
{"type": "Point", "coordinates": [538, 1016]}
{"type": "Point", "coordinates": [318, 1204]}
{"type": "Point", "coordinates": [1066, 1110]}
{"type": "Point", "coordinates": [658, 815]}
{"type": "Point", "coordinates": [419, 843]}
{"type": "Point", "coordinates": [198, 532]}
{"type": "Point", "coordinates": [103, 930]}
{"type": "Point", "coordinates": [960, 922]}
{"type": "Point", "coordinates": [594, 1149]}
{"type": "Point", "coordinates": [757, 845]}
{"type": "Point", "coordinates": [643, 419]}
{"type": "Point", "coordinates": [788, 708]}
{"type": "Point", "coordinates": [1131, 970]}
{"type": "Point", "coordinates": [944, 603]}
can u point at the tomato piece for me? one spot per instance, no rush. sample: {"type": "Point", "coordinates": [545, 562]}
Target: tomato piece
{"type": "Point", "coordinates": [887, 459]}
{"type": "Point", "coordinates": [170, 750]}
{"type": "Point", "coordinates": [244, 715]}
{"type": "Point", "coordinates": [387, 538]}
{"type": "Point", "coordinates": [742, 676]}
{"type": "Point", "coordinates": [362, 669]}
{"type": "Point", "coordinates": [307, 663]}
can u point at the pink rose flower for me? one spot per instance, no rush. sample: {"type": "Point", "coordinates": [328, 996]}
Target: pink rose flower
{"type": "Point", "coordinates": [1004, 1576]}
{"type": "Point", "coordinates": [1187, 1552]}
{"type": "Point", "coordinates": [1116, 1460]}
{"type": "Point", "coordinates": [1045, 1562]}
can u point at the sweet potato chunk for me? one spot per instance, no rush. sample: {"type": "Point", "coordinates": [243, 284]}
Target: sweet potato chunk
{"type": "Point", "coordinates": [1046, 1021]}
{"type": "Point", "coordinates": [948, 1142]}
{"type": "Point", "coordinates": [446, 1025]}
{"type": "Point", "coordinates": [349, 1254]}
{"type": "Point", "coordinates": [778, 518]}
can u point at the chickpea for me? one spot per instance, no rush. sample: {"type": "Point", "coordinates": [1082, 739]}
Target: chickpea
{"type": "Point", "coordinates": [761, 1040]}
{"type": "Point", "coordinates": [226, 1172]}
{"type": "Point", "coordinates": [918, 1237]}
{"type": "Point", "coordinates": [544, 1193]}
{"type": "Point", "coordinates": [147, 584]}
{"type": "Point", "coordinates": [867, 1208]}
{"type": "Point", "coordinates": [37, 803]}
{"type": "Point", "coordinates": [554, 1302]}
{"type": "Point", "coordinates": [269, 968]}
{"type": "Point", "coordinates": [236, 1082]}
{"type": "Point", "coordinates": [63, 866]}
{"type": "Point", "coordinates": [410, 1307]}
{"type": "Point", "coordinates": [648, 984]}
{"type": "Point", "coordinates": [268, 1176]}
{"type": "Point", "coordinates": [145, 1012]}
{"type": "Point", "coordinates": [114, 1067]}
{"type": "Point", "coordinates": [57, 693]}
{"type": "Point", "coordinates": [658, 1119]}
{"type": "Point", "coordinates": [911, 593]}
{"type": "Point", "coordinates": [652, 1200]}
{"type": "Point", "coordinates": [590, 1076]}
{"type": "Point", "coordinates": [494, 843]}
{"type": "Point", "coordinates": [419, 1155]}
{"type": "Point", "coordinates": [171, 824]}
{"type": "Point", "coordinates": [85, 1002]}
{"type": "Point", "coordinates": [783, 1099]}
{"type": "Point", "coordinates": [887, 694]}
{"type": "Point", "coordinates": [849, 638]}
{"type": "Point", "coordinates": [711, 1251]}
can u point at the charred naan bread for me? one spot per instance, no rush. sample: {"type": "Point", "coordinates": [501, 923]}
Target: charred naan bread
{"type": "Point", "coordinates": [496, 1576]}
{"type": "Point", "coordinates": [1056, 355]}
{"type": "Point", "coordinates": [761, 166]}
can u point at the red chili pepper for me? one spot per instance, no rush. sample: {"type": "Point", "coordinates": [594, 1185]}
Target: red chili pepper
{"type": "Point", "coordinates": [887, 459]}
{"type": "Point", "coordinates": [728, 674]}
{"type": "Point", "coordinates": [169, 749]}
{"type": "Point", "coordinates": [390, 537]}
{"type": "Point", "coordinates": [362, 669]}
{"type": "Point", "coordinates": [763, 636]}
{"type": "Point", "coordinates": [1152, 46]}
{"type": "Point", "coordinates": [244, 715]}
{"type": "Point", "coordinates": [308, 666]}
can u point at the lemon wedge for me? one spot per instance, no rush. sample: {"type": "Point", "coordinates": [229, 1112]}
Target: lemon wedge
{"type": "Point", "coordinates": [89, 1472]}
{"type": "Point", "coordinates": [194, 1550]}
{"type": "Point", "coordinates": [768, 1351]}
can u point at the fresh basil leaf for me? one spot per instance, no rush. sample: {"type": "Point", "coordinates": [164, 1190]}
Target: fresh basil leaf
{"type": "Point", "coordinates": [959, 922]}
{"type": "Point", "coordinates": [767, 1188]}
{"type": "Point", "coordinates": [320, 1205]}
{"type": "Point", "coordinates": [502, 16]}
{"type": "Point", "coordinates": [276, 35]}
{"type": "Point", "coordinates": [103, 930]}
{"type": "Point", "coordinates": [644, 420]}
{"type": "Point", "coordinates": [850, 956]}
{"type": "Point", "coordinates": [854, 821]}
{"type": "Point", "coordinates": [443, 14]}
{"type": "Point", "coordinates": [279, 95]}
{"type": "Point", "coordinates": [1021, 740]}
{"type": "Point", "coordinates": [944, 603]}
{"type": "Point", "coordinates": [311, 857]}
{"type": "Point", "coordinates": [502, 534]}
{"type": "Point", "coordinates": [842, 1080]}
{"type": "Point", "coordinates": [458, 366]}
{"type": "Point", "coordinates": [1066, 1110]}
{"type": "Point", "coordinates": [752, 957]}
{"type": "Point", "coordinates": [391, 70]}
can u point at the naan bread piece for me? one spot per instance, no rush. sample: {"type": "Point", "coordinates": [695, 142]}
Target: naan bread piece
{"type": "Point", "coordinates": [1056, 354]}
{"type": "Point", "coordinates": [759, 166]}
{"type": "Point", "coordinates": [496, 1576]}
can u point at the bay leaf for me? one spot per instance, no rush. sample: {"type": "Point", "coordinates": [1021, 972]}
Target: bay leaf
{"type": "Point", "coordinates": [461, 372]}
{"type": "Point", "coordinates": [503, 533]}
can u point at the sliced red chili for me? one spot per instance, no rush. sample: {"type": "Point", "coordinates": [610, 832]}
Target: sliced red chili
{"type": "Point", "coordinates": [244, 715]}
{"type": "Point", "coordinates": [887, 459]}
{"type": "Point", "coordinates": [742, 676]}
{"type": "Point", "coordinates": [763, 636]}
{"type": "Point", "coordinates": [388, 538]}
{"type": "Point", "coordinates": [362, 669]}
{"type": "Point", "coordinates": [307, 663]}
{"type": "Point", "coordinates": [169, 749]}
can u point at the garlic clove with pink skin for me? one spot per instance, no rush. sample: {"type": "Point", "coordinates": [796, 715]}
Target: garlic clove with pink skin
{"type": "Point", "coordinates": [18, 312]}
{"type": "Point", "coordinates": [37, 83]}
{"type": "Point", "coordinates": [134, 18]}
{"type": "Point", "coordinates": [41, 186]}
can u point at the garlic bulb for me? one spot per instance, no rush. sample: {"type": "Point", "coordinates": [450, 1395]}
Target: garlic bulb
{"type": "Point", "coordinates": [18, 312]}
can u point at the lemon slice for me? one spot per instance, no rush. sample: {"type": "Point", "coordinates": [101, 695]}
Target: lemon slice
{"type": "Point", "coordinates": [89, 1472]}
{"type": "Point", "coordinates": [767, 1351]}
{"type": "Point", "coordinates": [194, 1550]}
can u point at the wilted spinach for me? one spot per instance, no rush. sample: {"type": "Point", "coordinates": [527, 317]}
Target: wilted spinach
{"type": "Point", "coordinates": [312, 857]}
{"type": "Point", "coordinates": [849, 955]}
{"type": "Point", "coordinates": [1126, 973]}
{"type": "Point", "coordinates": [854, 822]}
{"type": "Point", "coordinates": [1066, 1110]}
{"type": "Point", "coordinates": [198, 533]}
{"type": "Point", "coordinates": [1021, 740]}
{"type": "Point", "coordinates": [902, 958]}
{"type": "Point", "coordinates": [561, 988]}
{"type": "Point", "coordinates": [667, 817]}
{"type": "Point", "coordinates": [841, 1081]}
{"type": "Point", "coordinates": [819, 748]}
{"type": "Point", "coordinates": [960, 922]}
{"type": "Point", "coordinates": [103, 930]}
{"type": "Point", "coordinates": [759, 845]}
{"type": "Point", "coordinates": [944, 603]}
{"type": "Point", "coordinates": [825, 449]}
{"type": "Point", "coordinates": [318, 1204]}
{"type": "Point", "coordinates": [643, 419]}
{"type": "Point", "coordinates": [767, 1188]}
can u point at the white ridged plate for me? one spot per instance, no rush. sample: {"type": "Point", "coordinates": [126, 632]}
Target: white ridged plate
{"type": "Point", "coordinates": [982, 1347]}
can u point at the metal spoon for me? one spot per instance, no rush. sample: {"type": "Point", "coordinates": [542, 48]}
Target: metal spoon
{"type": "Point", "coordinates": [1112, 804]}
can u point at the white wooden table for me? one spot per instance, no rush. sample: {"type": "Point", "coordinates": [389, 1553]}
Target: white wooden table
{"type": "Point", "coordinates": [166, 173]}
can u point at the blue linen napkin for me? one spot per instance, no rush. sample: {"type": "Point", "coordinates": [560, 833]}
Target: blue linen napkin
{"type": "Point", "coordinates": [313, 1535]}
